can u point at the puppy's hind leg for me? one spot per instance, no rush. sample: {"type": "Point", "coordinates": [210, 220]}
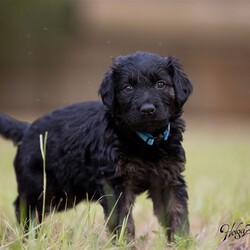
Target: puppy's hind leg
{"type": "Point", "coordinates": [22, 214]}
{"type": "Point", "coordinates": [27, 217]}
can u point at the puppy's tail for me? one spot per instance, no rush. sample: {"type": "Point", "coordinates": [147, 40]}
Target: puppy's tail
{"type": "Point", "coordinates": [12, 129]}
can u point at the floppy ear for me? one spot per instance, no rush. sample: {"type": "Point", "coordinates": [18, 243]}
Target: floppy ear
{"type": "Point", "coordinates": [106, 91]}
{"type": "Point", "coordinates": [182, 86]}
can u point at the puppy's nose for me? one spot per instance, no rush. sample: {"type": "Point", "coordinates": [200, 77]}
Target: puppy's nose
{"type": "Point", "coordinates": [147, 109]}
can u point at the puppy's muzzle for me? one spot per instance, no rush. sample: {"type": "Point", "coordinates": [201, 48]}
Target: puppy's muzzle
{"type": "Point", "coordinates": [147, 109]}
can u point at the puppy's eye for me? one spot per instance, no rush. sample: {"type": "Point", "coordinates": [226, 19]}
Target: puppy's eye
{"type": "Point", "coordinates": [161, 85]}
{"type": "Point", "coordinates": [128, 88]}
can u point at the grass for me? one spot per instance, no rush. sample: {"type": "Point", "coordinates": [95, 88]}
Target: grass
{"type": "Point", "coordinates": [218, 179]}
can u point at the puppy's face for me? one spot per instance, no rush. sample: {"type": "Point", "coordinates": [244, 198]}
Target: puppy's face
{"type": "Point", "coordinates": [143, 91]}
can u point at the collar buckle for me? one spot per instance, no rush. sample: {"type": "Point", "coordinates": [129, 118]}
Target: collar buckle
{"type": "Point", "coordinates": [150, 139]}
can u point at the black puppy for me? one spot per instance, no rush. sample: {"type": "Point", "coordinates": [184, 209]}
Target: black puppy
{"type": "Point", "coordinates": [111, 151]}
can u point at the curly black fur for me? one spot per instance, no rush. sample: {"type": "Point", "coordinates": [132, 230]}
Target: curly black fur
{"type": "Point", "coordinates": [93, 150]}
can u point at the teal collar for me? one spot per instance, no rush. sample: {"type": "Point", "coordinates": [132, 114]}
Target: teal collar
{"type": "Point", "coordinates": [150, 139]}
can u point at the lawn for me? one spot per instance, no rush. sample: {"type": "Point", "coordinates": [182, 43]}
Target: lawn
{"type": "Point", "coordinates": [217, 173]}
